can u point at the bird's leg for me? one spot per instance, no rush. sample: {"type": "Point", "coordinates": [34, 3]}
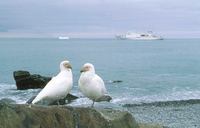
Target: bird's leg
{"type": "Point", "coordinates": [58, 103]}
{"type": "Point", "coordinates": [29, 105]}
{"type": "Point", "coordinates": [92, 104]}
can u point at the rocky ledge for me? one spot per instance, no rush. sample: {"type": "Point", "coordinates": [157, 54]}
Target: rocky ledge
{"type": "Point", "coordinates": [25, 116]}
{"type": "Point", "coordinates": [34, 116]}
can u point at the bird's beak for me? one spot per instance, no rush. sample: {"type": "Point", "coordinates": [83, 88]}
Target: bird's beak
{"type": "Point", "coordinates": [69, 66]}
{"type": "Point", "coordinates": [82, 70]}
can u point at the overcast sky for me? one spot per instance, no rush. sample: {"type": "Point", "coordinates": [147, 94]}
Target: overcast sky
{"type": "Point", "coordinates": [99, 18]}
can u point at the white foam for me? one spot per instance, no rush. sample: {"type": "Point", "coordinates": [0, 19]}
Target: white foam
{"type": "Point", "coordinates": [81, 102]}
{"type": "Point", "coordinates": [20, 96]}
{"type": "Point", "coordinates": [170, 96]}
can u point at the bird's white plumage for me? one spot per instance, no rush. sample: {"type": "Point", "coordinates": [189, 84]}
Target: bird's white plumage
{"type": "Point", "coordinates": [90, 84]}
{"type": "Point", "coordinates": [58, 87]}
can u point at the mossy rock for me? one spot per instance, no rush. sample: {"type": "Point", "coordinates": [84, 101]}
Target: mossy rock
{"type": "Point", "coordinates": [34, 116]}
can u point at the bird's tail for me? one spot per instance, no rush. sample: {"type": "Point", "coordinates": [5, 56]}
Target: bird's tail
{"type": "Point", "coordinates": [37, 99]}
{"type": "Point", "coordinates": [104, 98]}
{"type": "Point", "coordinates": [31, 100]}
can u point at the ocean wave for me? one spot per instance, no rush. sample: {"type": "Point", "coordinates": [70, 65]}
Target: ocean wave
{"type": "Point", "coordinates": [7, 86]}
{"type": "Point", "coordinates": [81, 102]}
{"type": "Point", "coordinates": [183, 95]}
{"type": "Point", "coordinates": [19, 96]}
{"type": "Point", "coordinates": [124, 99]}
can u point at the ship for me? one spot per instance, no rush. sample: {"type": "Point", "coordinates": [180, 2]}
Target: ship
{"type": "Point", "coordinates": [138, 36]}
{"type": "Point", "coordinates": [63, 37]}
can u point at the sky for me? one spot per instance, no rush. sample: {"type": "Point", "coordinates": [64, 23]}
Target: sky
{"type": "Point", "coordinates": [99, 18]}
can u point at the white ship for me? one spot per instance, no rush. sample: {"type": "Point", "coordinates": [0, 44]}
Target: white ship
{"type": "Point", "coordinates": [63, 37]}
{"type": "Point", "coordinates": [138, 36]}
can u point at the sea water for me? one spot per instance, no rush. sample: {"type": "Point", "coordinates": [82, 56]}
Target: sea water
{"type": "Point", "coordinates": [151, 71]}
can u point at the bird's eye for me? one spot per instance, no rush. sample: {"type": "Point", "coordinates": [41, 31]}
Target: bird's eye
{"type": "Point", "coordinates": [65, 64]}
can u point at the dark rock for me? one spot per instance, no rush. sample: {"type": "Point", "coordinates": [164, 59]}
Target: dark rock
{"type": "Point", "coordinates": [71, 97]}
{"type": "Point", "coordinates": [115, 81]}
{"type": "Point", "coordinates": [26, 116]}
{"type": "Point", "coordinates": [104, 98]}
{"type": "Point", "coordinates": [24, 80]}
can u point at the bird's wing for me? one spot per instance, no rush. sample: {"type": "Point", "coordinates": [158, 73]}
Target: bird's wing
{"type": "Point", "coordinates": [99, 83]}
{"type": "Point", "coordinates": [52, 86]}
{"type": "Point", "coordinates": [56, 84]}
{"type": "Point", "coordinates": [55, 81]}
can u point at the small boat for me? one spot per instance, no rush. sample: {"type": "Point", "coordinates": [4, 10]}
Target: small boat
{"type": "Point", "coordinates": [138, 36]}
{"type": "Point", "coordinates": [63, 37]}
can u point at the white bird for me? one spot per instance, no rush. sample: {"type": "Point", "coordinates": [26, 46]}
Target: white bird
{"type": "Point", "coordinates": [58, 87]}
{"type": "Point", "coordinates": [91, 85]}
